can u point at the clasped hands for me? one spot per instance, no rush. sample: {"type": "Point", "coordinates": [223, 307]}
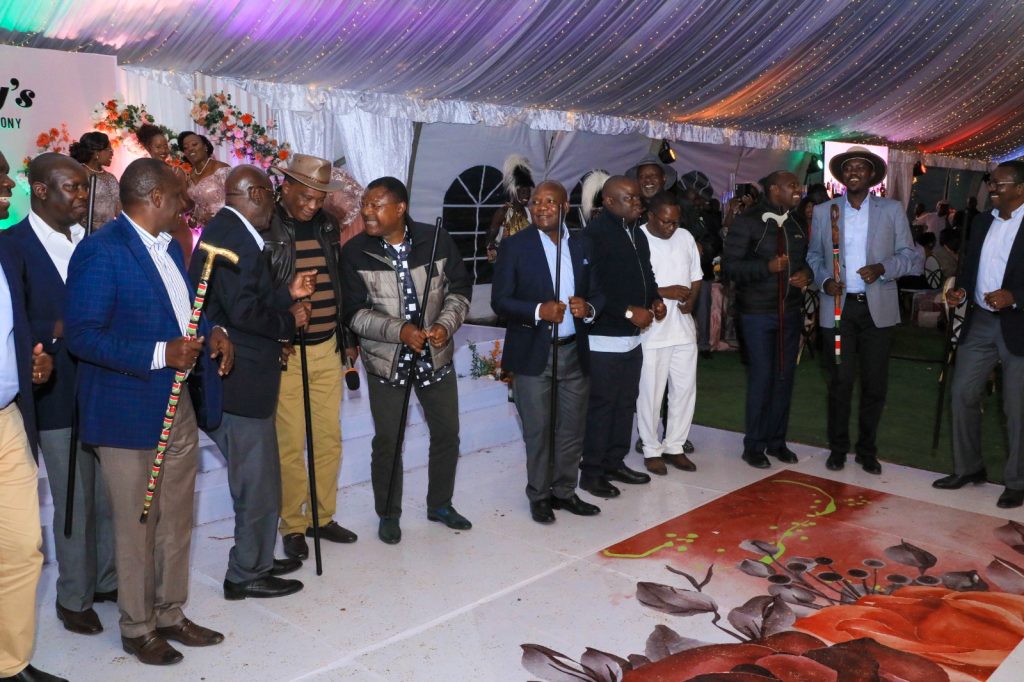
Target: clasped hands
{"type": "Point", "coordinates": [798, 279]}
{"type": "Point", "coordinates": [181, 353]}
{"type": "Point", "coordinates": [643, 317]}
{"type": "Point", "coordinates": [997, 300]}
{"type": "Point", "coordinates": [554, 311]}
{"type": "Point", "coordinates": [416, 338]}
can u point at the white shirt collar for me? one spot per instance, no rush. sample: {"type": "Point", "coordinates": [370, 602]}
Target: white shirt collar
{"type": "Point", "coordinates": [252, 230]}
{"type": "Point", "coordinates": [1013, 215]}
{"type": "Point", "coordinates": [46, 233]}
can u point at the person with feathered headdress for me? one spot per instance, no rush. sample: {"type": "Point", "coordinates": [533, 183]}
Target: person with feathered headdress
{"type": "Point", "coordinates": [512, 217]}
{"type": "Point", "coordinates": [590, 201]}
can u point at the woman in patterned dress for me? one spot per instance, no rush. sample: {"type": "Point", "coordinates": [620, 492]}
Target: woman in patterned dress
{"type": "Point", "coordinates": [94, 152]}
{"type": "Point", "coordinates": [205, 180]}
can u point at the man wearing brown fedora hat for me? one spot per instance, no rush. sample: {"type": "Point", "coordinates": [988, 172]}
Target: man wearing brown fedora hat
{"type": "Point", "coordinates": [302, 236]}
{"type": "Point", "coordinates": [875, 249]}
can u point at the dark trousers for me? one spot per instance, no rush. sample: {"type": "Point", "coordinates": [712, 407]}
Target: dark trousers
{"type": "Point", "coordinates": [614, 387]}
{"type": "Point", "coordinates": [555, 473]}
{"type": "Point", "coordinates": [769, 387]}
{"type": "Point", "coordinates": [864, 352]}
{"type": "Point", "coordinates": [254, 478]}
{"type": "Point", "coordinates": [440, 403]}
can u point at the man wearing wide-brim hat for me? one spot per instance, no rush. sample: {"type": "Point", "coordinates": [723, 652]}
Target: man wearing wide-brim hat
{"type": "Point", "coordinates": [653, 176]}
{"type": "Point", "coordinates": [875, 249]}
{"type": "Point", "coordinates": [302, 236]}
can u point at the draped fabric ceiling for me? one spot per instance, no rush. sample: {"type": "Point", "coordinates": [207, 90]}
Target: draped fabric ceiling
{"type": "Point", "coordinates": [940, 76]}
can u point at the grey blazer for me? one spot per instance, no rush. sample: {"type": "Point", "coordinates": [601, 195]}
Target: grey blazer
{"type": "Point", "coordinates": [889, 243]}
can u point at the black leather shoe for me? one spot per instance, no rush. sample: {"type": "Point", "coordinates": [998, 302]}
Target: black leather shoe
{"type": "Point", "coordinates": [785, 455]}
{"type": "Point", "coordinates": [30, 674]}
{"type": "Point", "coordinates": [151, 649]}
{"type": "Point", "coordinates": [599, 487]}
{"type": "Point", "coordinates": [756, 459]}
{"type": "Point", "coordinates": [836, 461]}
{"type": "Point", "coordinates": [285, 566]}
{"type": "Point", "coordinates": [389, 531]}
{"type": "Point", "coordinates": [626, 475]}
{"type": "Point", "coordinates": [449, 517]}
{"type": "Point", "coordinates": [98, 597]}
{"type": "Point", "coordinates": [1010, 499]}
{"type": "Point", "coordinates": [688, 447]}
{"type": "Point", "coordinates": [954, 482]}
{"type": "Point", "coordinates": [261, 588]}
{"type": "Point", "coordinates": [868, 463]}
{"type": "Point", "coordinates": [295, 546]}
{"type": "Point", "coordinates": [190, 634]}
{"type": "Point", "coordinates": [334, 533]}
{"type": "Point", "coordinates": [541, 511]}
{"type": "Point", "coordinates": [80, 622]}
{"type": "Point", "coordinates": [574, 505]}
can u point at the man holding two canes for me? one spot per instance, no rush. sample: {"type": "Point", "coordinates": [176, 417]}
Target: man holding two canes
{"type": "Point", "coordinates": [523, 291]}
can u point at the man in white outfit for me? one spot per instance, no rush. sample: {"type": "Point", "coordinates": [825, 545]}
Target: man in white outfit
{"type": "Point", "coordinates": [670, 345]}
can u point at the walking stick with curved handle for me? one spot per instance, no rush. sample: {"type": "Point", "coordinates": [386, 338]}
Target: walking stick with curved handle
{"type": "Point", "coordinates": [212, 254]}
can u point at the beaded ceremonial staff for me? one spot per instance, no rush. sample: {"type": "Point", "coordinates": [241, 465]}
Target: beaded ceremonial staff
{"type": "Point", "coordinates": [835, 278]}
{"type": "Point", "coordinates": [213, 252]}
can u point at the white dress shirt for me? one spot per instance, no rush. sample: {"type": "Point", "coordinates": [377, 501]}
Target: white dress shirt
{"type": "Point", "coordinates": [675, 261]}
{"type": "Point", "coordinates": [567, 327]}
{"type": "Point", "coordinates": [855, 244]}
{"type": "Point", "coordinates": [57, 246]}
{"type": "Point", "coordinates": [994, 254]}
{"type": "Point", "coordinates": [178, 290]}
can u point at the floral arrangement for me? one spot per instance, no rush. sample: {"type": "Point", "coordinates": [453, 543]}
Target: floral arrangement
{"type": "Point", "coordinates": [52, 140]}
{"type": "Point", "coordinates": [247, 139]}
{"type": "Point", "coordinates": [486, 365]}
{"type": "Point", "coordinates": [120, 123]}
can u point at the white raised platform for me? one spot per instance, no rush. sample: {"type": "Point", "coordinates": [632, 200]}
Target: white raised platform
{"type": "Point", "coordinates": [487, 419]}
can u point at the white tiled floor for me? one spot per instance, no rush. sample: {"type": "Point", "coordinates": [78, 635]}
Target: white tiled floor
{"type": "Point", "coordinates": [446, 606]}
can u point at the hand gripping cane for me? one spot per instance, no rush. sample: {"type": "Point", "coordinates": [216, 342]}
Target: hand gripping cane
{"type": "Point", "coordinates": [834, 215]}
{"type": "Point", "coordinates": [553, 406]}
{"type": "Point", "coordinates": [212, 253]}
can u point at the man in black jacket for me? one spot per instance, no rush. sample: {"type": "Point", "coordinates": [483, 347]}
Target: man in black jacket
{"type": "Point", "coordinates": [385, 273]}
{"type": "Point", "coordinates": [303, 236]}
{"type": "Point", "coordinates": [259, 316]}
{"type": "Point", "coordinates": [622, 261]}
{"type": "Point", "coordinates": [765, 259]}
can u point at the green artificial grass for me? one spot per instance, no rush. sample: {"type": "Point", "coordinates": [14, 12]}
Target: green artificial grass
{"type": "Point", "coordinates": [905, 434]}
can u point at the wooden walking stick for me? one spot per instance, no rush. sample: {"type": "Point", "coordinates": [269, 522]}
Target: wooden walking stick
{"type": "Point", "coordinates": [553, 414]}
{"type": "Point", "coordinates": [212, 253]}
{"type": "Point", "coordinates": [834, 214]}
{"type": "Point", "coordinates": [69, 497]}
{"type": "Point", "coordinates": [412, 373]}
{"type": "Point", "coordinates": [783, 280]}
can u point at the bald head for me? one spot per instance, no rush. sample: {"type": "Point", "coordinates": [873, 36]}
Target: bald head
{"type": "Point", "coordinates": [621, 197]}
{"type": "Point", "coordinates": [42, 167]}
{"type": "Point", "coordinates": [555, 187]}
{"type": "Point", "coordinates": [248, 191]}
{"type": "Point", "coordinates": [152, 195]}
{"type": "Point", "coordinates": [60, 190]}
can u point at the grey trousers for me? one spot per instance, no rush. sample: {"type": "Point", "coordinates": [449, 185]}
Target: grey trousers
{"type": "Point", "coordinates": [85, 561]}
{"type": "Point", "coordinates": [440, 403]}
{"type": "Point", "coordinates": [254, 477]}
{"type": "Point", "coordinates": [555, 473]}
{"type": "Point", "coordinates": [152, 557]}
{"type": "Point", "coordinates": [976, 357]}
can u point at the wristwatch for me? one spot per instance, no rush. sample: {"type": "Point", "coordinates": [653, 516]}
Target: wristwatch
{"type": "Point", "coordinates": [629, 314]}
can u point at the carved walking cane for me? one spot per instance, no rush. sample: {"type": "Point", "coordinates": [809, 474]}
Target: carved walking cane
{"type": "Point", "coordinates": [835, 278]}
{"type": "Point", "coordinates": [213, 252]}
{"type": "Point", "coordinates": [783, 279]}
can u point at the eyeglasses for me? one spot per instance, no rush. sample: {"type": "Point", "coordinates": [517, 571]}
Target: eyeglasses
{"type": "Point", "coordinates": [993, 183]}
{"type": "Point", "coordinates": [376, 206]}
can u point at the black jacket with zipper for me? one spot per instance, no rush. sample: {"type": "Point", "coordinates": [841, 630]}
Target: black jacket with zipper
{"type": "Point", "coordinates": [750, 245]}
{"type": "Point", "coordinates": [622, 262]}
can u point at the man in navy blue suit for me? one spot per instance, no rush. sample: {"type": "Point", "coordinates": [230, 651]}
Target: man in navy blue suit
{"type": "Point", "coordinates": [21, 537]}
{"type": "Point", "coordinates": [260, 317]}
{"type": "Point", "coordinates": [128, 307]}
{"type": "Point", "coordinates": [523, 291]}
{"type": "Point", "coordinates": [44, 242]}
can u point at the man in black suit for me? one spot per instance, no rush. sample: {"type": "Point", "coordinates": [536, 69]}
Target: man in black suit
{"type": "Point", "coordinates": [259, 317]}
{"type": "Point", "coordinates": [523, 292]}
{"type": "Point", "coordinates": [992, 283]}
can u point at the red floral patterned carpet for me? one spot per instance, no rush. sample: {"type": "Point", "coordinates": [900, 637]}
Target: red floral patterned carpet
{"type": "Point", "coordinates": [796, 577]}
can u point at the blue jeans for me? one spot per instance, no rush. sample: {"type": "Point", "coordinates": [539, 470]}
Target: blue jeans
{"type": "Point", "coordinates": [769, 387]}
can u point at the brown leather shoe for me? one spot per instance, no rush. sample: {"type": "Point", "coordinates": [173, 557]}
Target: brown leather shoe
{"type": "Point", "coordinates": [680, 461]}
{"type": "Point", "coordinates": [80, 622]}
{"type": "Point", "coordinates": [655, 465]}
{"type": "Point", "coordinates": [190, 634]}
{"type": "Point", "coordinates": [151, 649]}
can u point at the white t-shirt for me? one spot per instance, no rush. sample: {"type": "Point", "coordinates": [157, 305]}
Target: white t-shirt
{"type": "Point", "coordinates": [675, 261]}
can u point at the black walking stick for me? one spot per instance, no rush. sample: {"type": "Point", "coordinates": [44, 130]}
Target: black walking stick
{"type": "Point", "coordinates": [554, 340]}
{"type": "Point", "coordinates": [310, 460]}
{"type": "Point", "coordinates": [412, 374]}
{"type": "Point", "coordinates": [69, 498]}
